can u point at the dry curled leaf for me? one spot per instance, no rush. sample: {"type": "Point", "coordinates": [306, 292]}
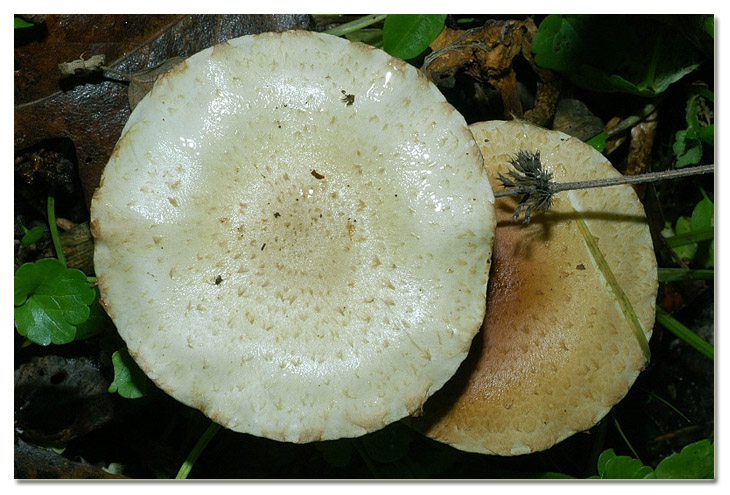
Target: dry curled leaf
{"type": "Point", "coordinates": [487, 54]}
{"type": "Point", "coordinates": [642, 141]}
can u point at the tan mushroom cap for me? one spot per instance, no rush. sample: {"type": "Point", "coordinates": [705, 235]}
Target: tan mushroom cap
{"type": "Point", "coordinates": [294, 235]}
{"type": "Point", "coordinates": [555, 352]}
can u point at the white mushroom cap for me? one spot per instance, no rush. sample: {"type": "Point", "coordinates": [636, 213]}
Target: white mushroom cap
{"type": "Point", "coordinates": [294, 235]}
{"type": "Point", "coordinates": [555, 352]}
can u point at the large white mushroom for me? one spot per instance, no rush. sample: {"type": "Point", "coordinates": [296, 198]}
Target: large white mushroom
{"type": "Point", "coordinates": [294, 235]}
{"type": "Point", "coordinates": [556, 351]}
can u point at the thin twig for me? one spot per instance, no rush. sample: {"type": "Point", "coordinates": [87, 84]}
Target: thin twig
{"type": "Point", "coordinates": [557, 187]}
{"type": "Point", "coordinates": [529, 179]}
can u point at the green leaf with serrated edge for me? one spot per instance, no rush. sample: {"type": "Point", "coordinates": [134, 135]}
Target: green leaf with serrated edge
{"type": "Point", "coordinates": [50, 300]}
{"type": "Point", "coordinates": [695, 461]}
{"type": "Point", "coordinates": [129, 381]}
{"type": "Point", "coordinates": [407, 35]}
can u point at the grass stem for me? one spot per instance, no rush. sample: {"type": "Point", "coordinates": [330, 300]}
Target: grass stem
{"type": "Point", "coordinates": [678, 274]}
{"type": "Point", "coordinates": [51, 212]}
{"type": "Point", "coordinates": [690, 237]}
{"type": "Point", "coordinates": [198, 448]}
{"type": "Point", "coordinates": [623, 300]}
{"type": "Point", "coordinates": [626, 440]}
{"type": "Point", "coordinates": [670, 323]}
{"type": "Point", "coordinates": [355, 25]}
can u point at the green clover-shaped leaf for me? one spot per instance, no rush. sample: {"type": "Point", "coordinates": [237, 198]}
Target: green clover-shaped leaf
{"type": "Point", "coordinates": [50, 301]}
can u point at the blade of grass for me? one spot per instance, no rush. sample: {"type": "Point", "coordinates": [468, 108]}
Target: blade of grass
{"type": "Point", "coordinates": [352, 26]}
{"type": "Point", "coordinates": [621, 432]}
{"type": "Point", "coordinates": [690, 237]}
{"type": "Point", "coordinates": [51, 211]}
{"type": "Point", "coordinates": [198, 448]}
{"type": "Point", "coordinates": [666, 403]}
{"type": "Point", "coordinates": [623, 301]}
{"type": "Point", "coordinates": [678, 274]}
{"type": "Point", "coordinates": [670, 323]}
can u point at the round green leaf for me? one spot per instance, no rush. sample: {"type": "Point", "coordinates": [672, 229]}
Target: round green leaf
{"type": "Point", "coordinates": [50, 300]}
{"type": "Point", "coordinates": [407, 35]}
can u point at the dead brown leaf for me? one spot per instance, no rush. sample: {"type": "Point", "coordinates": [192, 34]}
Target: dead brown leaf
{"type": "Point", "coordinates": [487, 54]}
{"type": "Point", "coordinates": [58, 399]}
{"type": "Point", "coordinates": [91, 110]}
{"type": "Point", "coordinates": [641, 144]}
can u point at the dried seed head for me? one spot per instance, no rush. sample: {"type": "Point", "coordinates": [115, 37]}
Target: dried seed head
{"type": "Point", "coordinates": [532, 181]}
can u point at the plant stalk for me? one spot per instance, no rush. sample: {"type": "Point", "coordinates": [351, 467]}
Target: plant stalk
{"type": "Point", "coordinates": [355, 25]}
{"type": "Point", "coordinates": [667, 321]}
{"type": "Point", "coordinates": [198, 448]}
{"type": "Point", "coordinates": [626, 307]}
{"type": "Point", "coordinates": [617, 181]}
{"type": "Point", "coordinates": [51, 212]}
